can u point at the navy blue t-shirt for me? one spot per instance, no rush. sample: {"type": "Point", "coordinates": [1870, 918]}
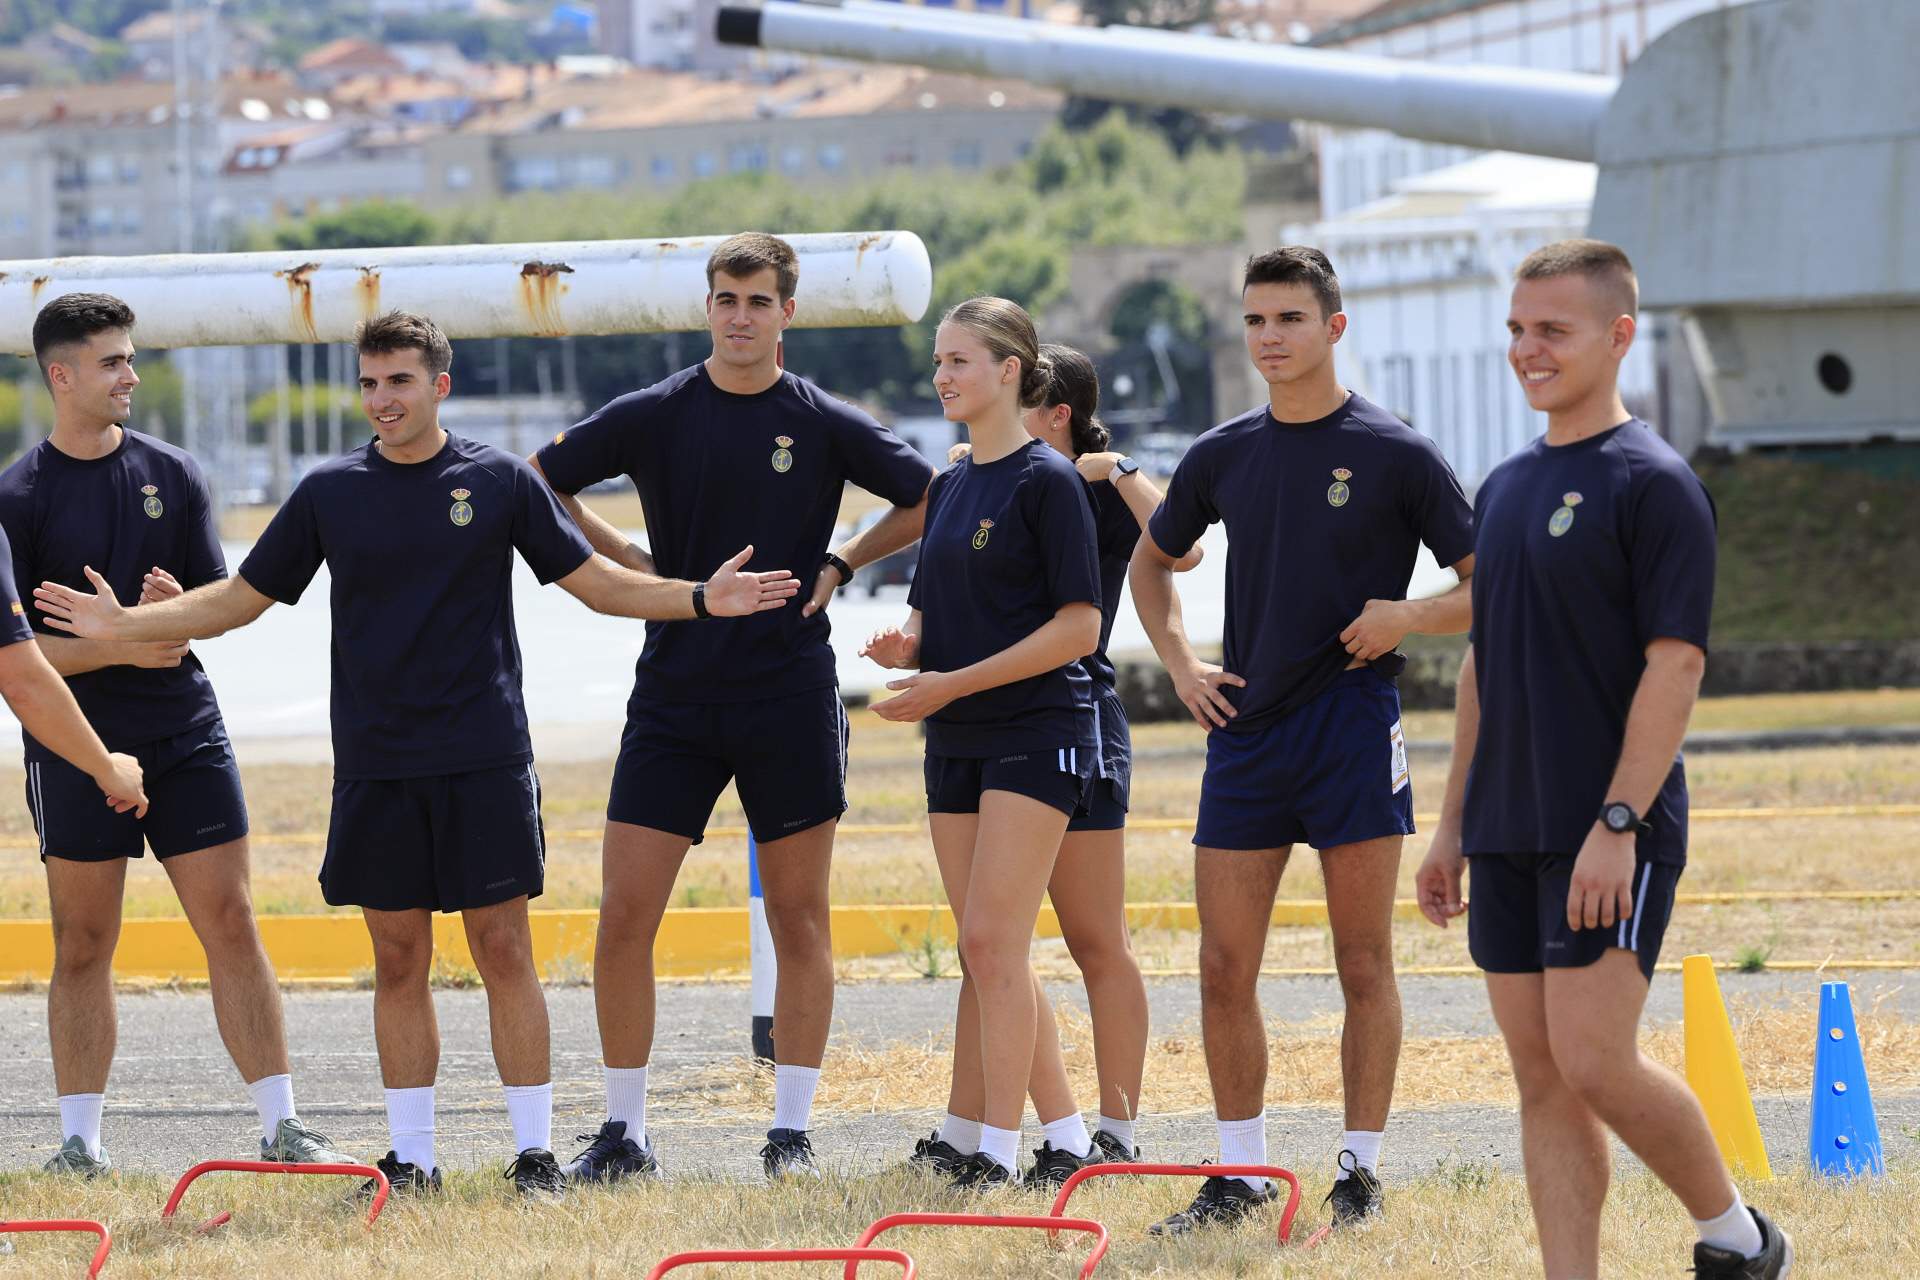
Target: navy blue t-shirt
{"type": "Point", "coordinates": [426, 663]}
{"type": "Point", "coordinates": [1584, 554]}
{"type": "Point", "coordinates": [142, 505]}
{"type": "Point", "coordinates": [717, 471]}
{"type": "Point", "coordinates": [1116, 530]}
{"type": "Point", "coordinates": [14, 627]}
{"type": "Point", "coordinates": [1321, 517]}
{"type": "Point", "coordinates": [1007, 544]}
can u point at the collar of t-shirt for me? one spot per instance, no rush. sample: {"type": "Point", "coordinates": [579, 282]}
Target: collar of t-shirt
{"type": "Point", "coordinates": [1316, 424]}
{"type": "Point", "coordinates": [379, 458]}
{"type": "Point", "coordinates": [61, 456]}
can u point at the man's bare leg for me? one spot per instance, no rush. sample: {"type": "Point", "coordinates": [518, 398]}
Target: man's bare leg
{"type": "Point", "coordinates": [1561, 1140]}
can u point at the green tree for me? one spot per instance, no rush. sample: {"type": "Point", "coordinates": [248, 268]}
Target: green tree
{"type": "Point", "coordinates": [376, 224]}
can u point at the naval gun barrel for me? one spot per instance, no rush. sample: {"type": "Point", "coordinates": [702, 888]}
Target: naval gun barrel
{"type": "Point", "coordinates": [1490, 108]}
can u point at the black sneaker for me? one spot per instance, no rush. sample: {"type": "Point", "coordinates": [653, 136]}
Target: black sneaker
{"type": "Point", "coordinates": [1108, 1149]}
{"type": "Point", "coordinates": [1222, 1202]}
{"type": "Point", "coordinates": [535, 1172]}
{"type": "Point", "coordinates": [935, 1155]}
{"type": "Point", "coordinates": [788, 1154]}
{"type": "Point", "coordinates": [1357, 1196]}
{"type": "Point", "coordinates": [610, 1156]}
{"type": "Point", "coordinates": [981, 1172]}
{"type": "Point", "coordinates": [403, 1179]}
{"type": "Point", "coordinates": [1775, 1258]}
{"type": "Point", "coordinates": [1052, 1165]}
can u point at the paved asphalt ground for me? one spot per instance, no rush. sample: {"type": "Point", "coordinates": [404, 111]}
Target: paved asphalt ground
{"type": "Point", "coordinates": [175, 1098]}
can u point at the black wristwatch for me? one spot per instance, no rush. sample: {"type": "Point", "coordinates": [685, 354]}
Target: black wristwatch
{"type": "Point", "coordinates": [1124, 467]}
{"type": "Point", "coordinates": [1618, 817]}
{"type": "Point", "coordinates": [846, 570]}
{"type": "Point", "coordinates": [700, 600]}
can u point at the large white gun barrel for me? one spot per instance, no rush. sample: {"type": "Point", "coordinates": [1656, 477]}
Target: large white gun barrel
{"type": "Point", "coordinates": [1496, 108]}
{"type": "Point", "coordinates": [471, 291]}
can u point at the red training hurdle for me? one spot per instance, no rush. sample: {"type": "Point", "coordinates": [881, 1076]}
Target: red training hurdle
{"type": "Point", "coordinates": [380, 1191]}
{"type": "Point", "coordinates": [70, 1224]}
{"type": "Point", "coordinates": [852, 1257]}
{"type": "Point", "coordinates": [1050, 1225]}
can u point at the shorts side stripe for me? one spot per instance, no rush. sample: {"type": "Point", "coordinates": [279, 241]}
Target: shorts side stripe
{"type": "Point", "coordinates": [1100, 761]}
{"type": "Point", "coordinates": [1640, 904]}
{"type": "Point", "coordinates": [39, 804]}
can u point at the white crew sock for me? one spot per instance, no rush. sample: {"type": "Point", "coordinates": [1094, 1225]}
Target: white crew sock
{"type": "Point", "coordinates": [960, 1133]}
{"type": "Point", "coordinates": [1002, 1146]}
{"type": "Point", "coordinates": [627, 1100]}
{"type": "Point", "coordinates": [1069, 1134]}
{"type": "Point", "coordinates": [273, 1099]}
{"type": "Point", "coordinates": [1121, 1129]}
{"type": "Point", "coordinates": [530, 1109]}
{"type": "Point", "coordinates": [1365, 1146]}
{"type": "Point", "coordinates": [80, 1118]}
{"type": "Point", "coordinates": [1245, 1142]}
{"type": "Point", "coordinates": [793, 1096]}
{"type": "Point", "coordinates": [410, 1122]}
{"type": "Point", "coordinates": [1735, 1229]}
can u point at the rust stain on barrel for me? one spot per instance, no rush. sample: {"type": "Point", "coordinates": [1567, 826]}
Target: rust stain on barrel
{"type": "Point", "coordinates": [39, 283]}
{"type": "Point", "coordinates": [540, 292]}
{"type": "Point", "coordinates": [860, 250]}
{"type": "Point", "coordinates": [300, 291]}
{"type": "Point", "coordinates": [367, 290]}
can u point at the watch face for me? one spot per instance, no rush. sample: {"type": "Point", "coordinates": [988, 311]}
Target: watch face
{"type": "Point", "coordinates": [1619, 818]}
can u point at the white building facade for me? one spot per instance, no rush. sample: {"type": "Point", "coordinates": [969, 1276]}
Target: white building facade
{"type": "Point", "coordinates": [1426, 236]}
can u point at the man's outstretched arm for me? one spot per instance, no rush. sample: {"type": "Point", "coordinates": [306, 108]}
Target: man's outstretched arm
{"type": "Point", "coordinates": [46, 709]}
{"type": "Point", "coordinates": [206, 611]}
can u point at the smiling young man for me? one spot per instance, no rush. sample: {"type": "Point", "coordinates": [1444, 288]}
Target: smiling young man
{"type": "Point", "coordinates": [95, 493]}
{"type": "Point", "coordinates": [731, 450]}
{"type": "Point", "coordinates": [1326, 498]}
{"type": "Point", "coordinates": [436, 806]}
{"type": "Point", "coordinates": [1567, 794]}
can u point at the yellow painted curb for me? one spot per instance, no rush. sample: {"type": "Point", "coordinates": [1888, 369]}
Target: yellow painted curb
{"type": "Point", "coordinates": [694, 942]}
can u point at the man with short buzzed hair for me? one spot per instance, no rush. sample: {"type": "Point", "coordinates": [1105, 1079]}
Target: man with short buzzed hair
{"type": "Point", "coordinates": [1567, 795]}
{"type": "Point", "coordinates": [96, 495]}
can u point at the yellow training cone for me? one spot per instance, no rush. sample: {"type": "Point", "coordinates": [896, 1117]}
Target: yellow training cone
{"type": "Point", "coordinates": [1713, 1070]}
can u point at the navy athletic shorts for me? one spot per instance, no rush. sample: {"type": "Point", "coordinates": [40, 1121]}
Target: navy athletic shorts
{"type": "Point", "coordinates": [1332, 772]}
{"type": "Point", "coordinates": [450, 842]}
{"type": "Point", "coordinates": [787, 758]}
{"type": "Point", "coordinates": [194, 801]}
{"type": "Point", "coordinates": [1105, 805]}
{"type": "Point", "coordinates": [1517, 914]}
{"type": "Point", "coordinates": [1057, 778]}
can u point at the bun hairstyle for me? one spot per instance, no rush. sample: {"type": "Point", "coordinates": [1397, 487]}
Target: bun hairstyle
{"type": "Point", "coordinates": [1073, 382]}
{"type": "Point", "coordinates": [1006, 330]}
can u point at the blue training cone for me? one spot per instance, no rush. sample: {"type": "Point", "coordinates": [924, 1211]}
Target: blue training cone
{"type": "Point", "coordinates": [1845, 1137]}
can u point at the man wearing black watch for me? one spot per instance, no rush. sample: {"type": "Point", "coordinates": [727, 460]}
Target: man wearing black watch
{"type": "Point", "coordinates": [1593, 592]}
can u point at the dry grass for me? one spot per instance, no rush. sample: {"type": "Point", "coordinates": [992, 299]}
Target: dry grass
{"type": "Point", "coordinates": [1459, 1219]}
{"type": "Point", "coordinates": [1304, 1065]}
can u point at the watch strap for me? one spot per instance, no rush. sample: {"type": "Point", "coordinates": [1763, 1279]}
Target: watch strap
{"type": "Point", "coordinates": [846, 570]}
{"type": "Point", "coordinates": [700, 600]}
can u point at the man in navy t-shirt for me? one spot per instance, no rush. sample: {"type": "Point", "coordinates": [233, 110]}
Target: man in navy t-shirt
{"type": "Point", "coordinates": [95, 493]}
{"type": "Point", "coordinates": [1594, 548]}
{"type": "Point", "coordinates": [731, 450]}
{"type": "Point", "coordinates": [1326, 499]}
{"type": "Point", "coordinates": [436, 806]}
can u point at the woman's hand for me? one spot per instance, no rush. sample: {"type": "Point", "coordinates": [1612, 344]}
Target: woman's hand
{"type": "Point", "coordinates": [892, 647]}
{"type": "Point", "coordinates": [917, 697]}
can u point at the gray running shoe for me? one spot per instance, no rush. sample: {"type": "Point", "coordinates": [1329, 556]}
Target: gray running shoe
{"type": "Point", "coordinates": [73, 1158]}
{"type": "Point", "coordinates": [295, 1142]}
